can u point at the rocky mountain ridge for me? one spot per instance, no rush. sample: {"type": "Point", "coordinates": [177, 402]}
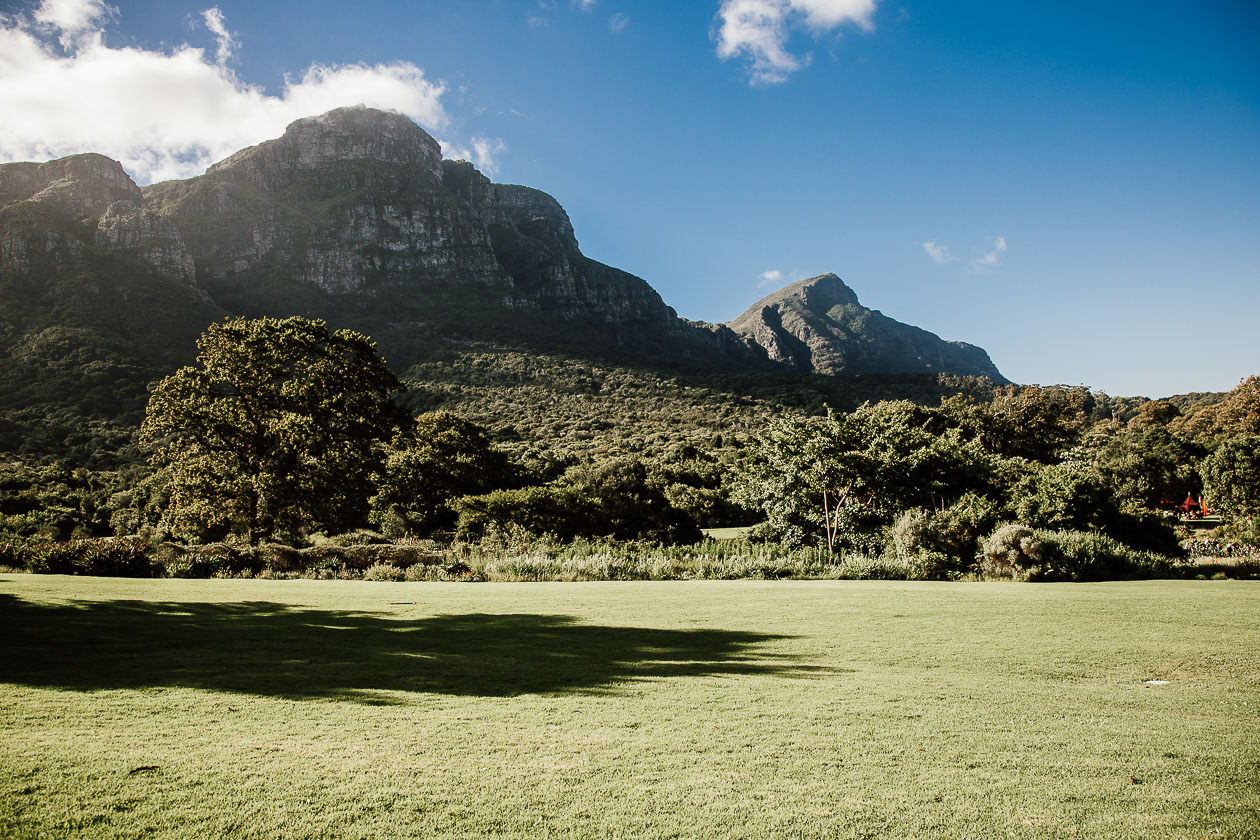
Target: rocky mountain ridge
{"type": "Point", "coordinates": [353, 216]}
{"type": "Point", "coordinates": [817, 325]}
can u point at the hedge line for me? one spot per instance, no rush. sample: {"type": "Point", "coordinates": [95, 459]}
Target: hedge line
{"type": "Point", "coordinates": [1012, 551]}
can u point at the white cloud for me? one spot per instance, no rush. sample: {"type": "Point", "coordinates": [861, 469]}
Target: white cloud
{"type": "Point", "coordinates": [991, 259]}
{"type": "Point", "coordinates": [482, 154]}
{"type": "Point", "coordinates": [618, 21]}
{"type": "Point", "coordinates": [170, 114]}
{"type": "Point", "coordinates": [584, 5]}
{"type": "Point", "coordinates": [227, 42]}
{"type": "Point", "coordinates": [485, 150]}
{"type": "Point", "coordinates": [938, 252]}
{"type": "Point", "coordinates": [772, 276]}
{"type": "Point", "coordinates": [74, 21]}
{"type": "Point", "coordinates": [758, 31]}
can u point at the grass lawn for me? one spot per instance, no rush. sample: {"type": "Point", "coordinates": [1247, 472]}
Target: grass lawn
{"type": "Point", "coordinates": [302, 709]}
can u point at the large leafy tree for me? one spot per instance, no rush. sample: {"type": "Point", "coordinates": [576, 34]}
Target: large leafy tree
{"type": "Point", "coordinates": [438, 459]}
{"type": "Point", "coordinates": [1144, 464]}
{"type": "Point", "coordinates": [1231, 481]}
{"type": "Point", "coordinates": [278, 426]}
{"type": "Point", "coordinates": [1026, 421]}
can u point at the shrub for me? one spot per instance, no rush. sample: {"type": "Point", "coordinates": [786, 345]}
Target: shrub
{"type": "Point", "coordinates": [942, 544]}
{"type": "Point", "coordinates": [960, 527]}
{"type": "Point", "coordinates": [926, 564]}
{"type": "Point", "coordinates": [868, 567]}
{"type": "Point", "coordinates": [12, 555]}
{"type": "Point", "coordinates": [1083, 555]}
{"type": "Point", "coordinates": [912, 531]}
{"type": "Point", "coordinates": [53, 558]}
{"type": "Point", "coordinates": [362, 536]}
{"type": "Point", "coordinates": [1068, 555]}
{"type": "Point", "coordinates": [280, 559]}
{"type": "Point", "coordinates": [325, 562]}
{"type": "Point", "coordinates": [1011, 551]}
{"type": "Point", "coordinates": [383, 571]}
{"type": "Point", "coordinates": [112, 557]}
{"type": "Point", "coordinates": [175, 561]}
{"type": "Point", "coordinates": [221, 559]}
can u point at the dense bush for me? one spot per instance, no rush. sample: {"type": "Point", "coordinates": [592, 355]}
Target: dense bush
{"type": "Point", "coordinates": [111, 557]}
{"type": "Point", "coordinates": [1019, 552]}
{"type": "Point", "coordinates": [943, 544]}
{"type": "Point", "coordinates": [383, 571]}
{"type": "Point", "coordinates": [1012, 550]}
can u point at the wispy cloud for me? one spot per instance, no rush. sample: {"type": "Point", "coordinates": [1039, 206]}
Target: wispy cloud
{"type": "Point", "coordinates": [778, 279]}
{"type": "Point", "coordinates": [483, 152]}
{"type": "Point", "coordinates": [171, 113]}
{"type": "Point", "coordinates": [226, 40]}
{"type": "Point", "coordinates": [618, 21]}
{"type": "Point", "coordinates": [991, 259]}
{"type": "Point", "coordinates": [938, 252]}
{"type": "Point", "coordinates": [758, 31]}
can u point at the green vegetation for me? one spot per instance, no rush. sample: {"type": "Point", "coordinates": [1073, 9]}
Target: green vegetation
{"type": "Point", "coordinates": [285, 432]}
{"type": "Point", "coordinates": [279, 427]}
{"type": "Point", "coordinates": [171, 709]}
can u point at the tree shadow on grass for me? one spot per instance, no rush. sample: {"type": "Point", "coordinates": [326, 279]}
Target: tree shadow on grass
{"type": "Point", "coordinates": [275, 650]}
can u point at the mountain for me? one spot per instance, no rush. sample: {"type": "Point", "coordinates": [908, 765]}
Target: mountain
{"type": "Point", "coordinates": [97, 298]}
{"type": "Point", "coordinates": [818, 326]}
{"type": "Point", "coordinates": [353, 216]}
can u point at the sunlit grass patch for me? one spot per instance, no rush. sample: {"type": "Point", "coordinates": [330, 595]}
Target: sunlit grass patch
{"type": "Point", "coordinates": [175, 708]}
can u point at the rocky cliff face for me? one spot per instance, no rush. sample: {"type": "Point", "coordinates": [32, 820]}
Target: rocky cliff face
{"type": "Point", "coordinates": [359, 206]}
{"type": "Point", "coordinates": [55, 212]}
{"type": "Point", "coordinates": [80, 186]}
{"type": "Point", "coordinates": [97, 298]}
{"type": "Point", "coordinates": [818, 325]}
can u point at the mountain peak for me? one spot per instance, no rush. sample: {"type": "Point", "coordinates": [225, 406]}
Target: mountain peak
{"type": "Point", "coordinates": [344, 134]}
{"type": "Point", "coordinates": [82, 185]}
{"type": "Point", "coordinates": [818, 293]}
{"type": "Point", "coordinates": [818, 325]}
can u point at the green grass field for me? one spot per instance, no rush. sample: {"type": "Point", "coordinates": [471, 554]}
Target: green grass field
{"type": "Point", "coordinates": [302, 709]}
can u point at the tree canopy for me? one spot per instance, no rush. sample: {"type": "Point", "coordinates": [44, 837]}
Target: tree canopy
{"type": "Point", "coordinates": [278, 426]}
{"type": "Point", "coordinates": [439, 458]}
{"type": "Point", "coordinates": [1231, 480]}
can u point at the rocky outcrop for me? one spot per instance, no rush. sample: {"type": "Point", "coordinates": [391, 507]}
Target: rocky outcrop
{"type": "Point", "coordinates": [45, 205]}
{"type": "Point", "coordinates": [126, 226]}
{"type": "Point", "coordinates": [818, 325]}
{"type": "Point", "coordinates": [338, 137]}
{"type": "Point", "coordinates": [80, 186]}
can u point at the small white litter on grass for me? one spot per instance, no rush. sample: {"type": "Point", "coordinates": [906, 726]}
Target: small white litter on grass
{"type": "Point", "coordinates": [1157, 682]}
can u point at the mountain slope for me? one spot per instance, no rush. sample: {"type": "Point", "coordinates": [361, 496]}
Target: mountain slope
{"type": "Point", "coordinates": [96, 300]}
{"type": "Point", "coordinates": [817, 325]}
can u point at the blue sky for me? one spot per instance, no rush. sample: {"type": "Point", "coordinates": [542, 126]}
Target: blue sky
{"type": "Point", "coordinates": [1074, 187]}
